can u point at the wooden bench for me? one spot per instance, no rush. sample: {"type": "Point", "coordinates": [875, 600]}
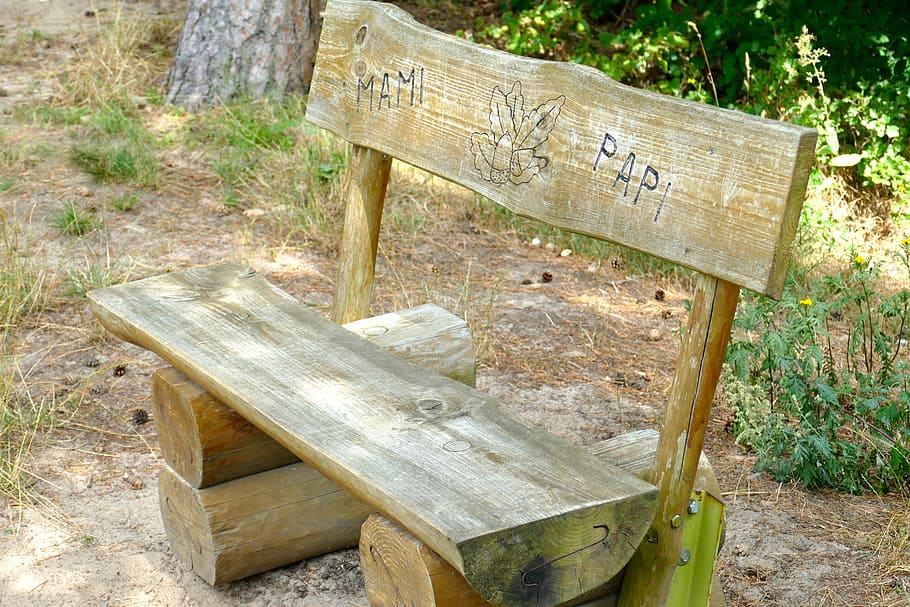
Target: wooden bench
{"type": "Point", "coordinates": [525, 518]}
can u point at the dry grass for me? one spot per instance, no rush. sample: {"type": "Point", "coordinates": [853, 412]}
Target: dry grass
{"type": "Point", "coordinates": [124, 61]}
{"type": "Point", "coordinates": [23, 293]}
{"type": "Point", "coordinates": [894, 546]}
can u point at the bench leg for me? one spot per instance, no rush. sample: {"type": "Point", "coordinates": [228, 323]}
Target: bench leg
{"type": "Point", "coordinates": [365, 185]}
{"type": "Point", "coordinates": [399, 569]}
{"type": "Point", "coordinates": [258, 522]}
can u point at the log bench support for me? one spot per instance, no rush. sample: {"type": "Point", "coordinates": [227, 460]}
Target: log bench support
{"type": "Point", "coordinates": [522, 517]}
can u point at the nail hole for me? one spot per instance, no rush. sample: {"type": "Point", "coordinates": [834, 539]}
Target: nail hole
{"type": "Point", "coordinates": [457, 446]}
{"type": "Point", "coordinates": [361, 34]}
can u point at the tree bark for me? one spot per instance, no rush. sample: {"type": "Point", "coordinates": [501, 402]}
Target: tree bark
{"type": "Point", "coordinates": [243, 47]}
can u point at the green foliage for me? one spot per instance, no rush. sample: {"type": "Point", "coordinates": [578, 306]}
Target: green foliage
{"type": "Point", "coordinates": [115, 146]}
{"type": "Point", "coordinates": [124, 203]}
{"type": "Point", "coordinates": [250, 135]}
{"type": "Point", "coordinates": [95, 276]}
{"type": "Point", "coordinates": [70, 220]}
{"type": "Point", "coordinates": [21, 278]}
{"type": "Point", "coordinates": [560, 29]}
{"type": "Point", "coordinates": [820, 383]}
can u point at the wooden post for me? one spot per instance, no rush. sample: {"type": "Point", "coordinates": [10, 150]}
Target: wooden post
{"type": "Point", "coordinates": [207, 443]}
{"type": "Point", "coordinates": [650, 571]}
{"type": "Point", "coordinates": [365, 185]}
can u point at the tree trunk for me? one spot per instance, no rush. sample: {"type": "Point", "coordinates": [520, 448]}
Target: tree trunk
{"type": "Point", "coordinates": [230, 48]}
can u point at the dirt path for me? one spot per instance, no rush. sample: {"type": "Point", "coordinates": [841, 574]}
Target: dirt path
{"type": "Point", "coordinates": [586, 355]}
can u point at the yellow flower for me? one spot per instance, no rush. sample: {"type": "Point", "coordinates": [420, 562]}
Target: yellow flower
{"type": "Point", "coordinates": [905, 242]}
{"type": "Point", "coordinates": [806, 302]}
{"type": "Point", "coordinates": [859, 259]}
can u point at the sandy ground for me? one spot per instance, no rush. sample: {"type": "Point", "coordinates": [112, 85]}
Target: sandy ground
{"type": "Point", "coordinates": [586, 356]}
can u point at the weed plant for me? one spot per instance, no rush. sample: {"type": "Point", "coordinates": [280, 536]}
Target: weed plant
{"type": "Point", "coordinates": [95, 276]}
{"type": "Point", "coordinates": [70, 220]}
{"type": "Point", "coordinates": [115, 146]}
{"type": "Point", "coordinates": [21, 277]}
{"type": "Point", "coordinates": [266, 155]}
{"type": "Point", "coordinates": [120, 65]}
{"type": "Point", "coordinates": [124, 203]}
{"type": "Point", "coordinates": [820, 383]}
{"type": "Point", "coordinates": [22, 292]}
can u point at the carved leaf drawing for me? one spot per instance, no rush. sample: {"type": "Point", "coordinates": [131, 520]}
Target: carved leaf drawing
{"type": "Point", "coordinates": [506, 111]}
{"type": "Point", "coordinates": [537, 125]}
{"type": "Point", "coordinates": [501, 164]}
{"type": "Point", "coordinates": [516, 103]}
{"type": "Point", "coordinates": [528, 171]}
{"type": "Point", "coordinates": [510, 151]}
{"type": "Point", "coordinates": [483, 148]}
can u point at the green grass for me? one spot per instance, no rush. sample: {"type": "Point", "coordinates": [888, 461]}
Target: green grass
{"type": "Point", "coordinates": [70, 220]}
{"type": "Point", "coordinates": [22, 419]}
{"type": "Point", "coordinates": [115, 161]}
{"type": "Point", "coordinates": [124, 203]}
{"type": "Point", "coordinates": [115, 146]}
{"type": "Point", "coordinates": [95, 276]}
{"type": "Point", "coordinates": [21, 277]}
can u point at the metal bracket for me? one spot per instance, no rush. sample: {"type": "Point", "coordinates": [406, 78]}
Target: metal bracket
{"type": "Point", "coordinates": [692, 581]}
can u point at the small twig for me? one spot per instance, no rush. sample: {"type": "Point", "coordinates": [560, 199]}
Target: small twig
{"type": "Point", "coordinates": [704, 54]}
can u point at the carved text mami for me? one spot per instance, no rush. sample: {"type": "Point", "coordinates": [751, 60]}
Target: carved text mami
{"type": "Point", "coordinates": [390, 90]}
{"type": "Point", "coordinates": [648, 186]}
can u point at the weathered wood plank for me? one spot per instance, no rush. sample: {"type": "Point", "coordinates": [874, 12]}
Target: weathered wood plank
{"type": "Point", "coordinates": [366, 180]}
{"type": "Point", "coordinates": [675, 469]}
{"type": "Point", "coordinates": [524, 516]}
{"type": "Point", "coordinates": [711, 189]}
{"type": "Point", "coordinates": [207, 443]}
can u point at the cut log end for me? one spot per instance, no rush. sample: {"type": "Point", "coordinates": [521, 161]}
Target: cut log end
{"type": "Point", "coordinates": [555, 561]}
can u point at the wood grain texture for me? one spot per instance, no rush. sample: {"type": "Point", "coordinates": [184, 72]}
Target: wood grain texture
{"type": "Point", "coordinates": [366, 180]}
{"type": "Point", "coordinates": [650, 571]}
{"type": "Point", "coordinates": [524, 516]}
{"type": "Point", "coordinates": [207, 443]}
{"type": "Point", "coordinates": [711, 189]}
{"type": "Point", "coordinates": [258, 522]}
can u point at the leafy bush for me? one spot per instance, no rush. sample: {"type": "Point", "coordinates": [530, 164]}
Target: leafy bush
{"type": "Point", "coordinates": [820, 382]}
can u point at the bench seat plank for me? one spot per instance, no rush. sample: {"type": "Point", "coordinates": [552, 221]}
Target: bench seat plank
{"type": "Point", "coordinates": [524, 516]}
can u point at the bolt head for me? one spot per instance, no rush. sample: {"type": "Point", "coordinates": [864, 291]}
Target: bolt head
{"type": "Point", "coordinates": [676, 521]}
{"type": "Point", "coordinates": [693, 507]}
{"type": "Point", "coordinates": [684, 557]}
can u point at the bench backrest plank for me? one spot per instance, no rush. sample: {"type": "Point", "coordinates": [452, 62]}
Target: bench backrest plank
{"type": "Point", "coordinates": [525, 516]}
{"type": "Point", "coordinates": [710, 189]}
